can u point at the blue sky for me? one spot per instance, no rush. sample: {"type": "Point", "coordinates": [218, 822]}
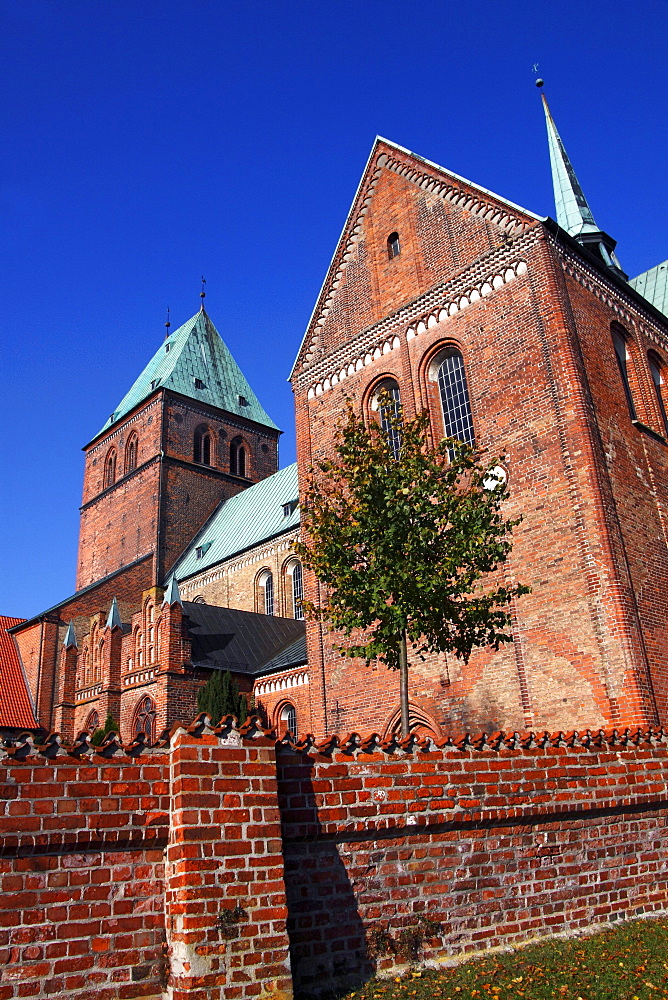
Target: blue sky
{"type": "Point", "coordinates": [147, 144]}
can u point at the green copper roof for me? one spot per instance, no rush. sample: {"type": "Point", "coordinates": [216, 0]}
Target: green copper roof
{"type": "Point", "coordinates": [573, 213]}
{"type": "Point", "coordinates": [195, 362]}
{"type": "Point", "coordinates": [252, 516]}
{"type": "Point", "coordinates": [653, 286]}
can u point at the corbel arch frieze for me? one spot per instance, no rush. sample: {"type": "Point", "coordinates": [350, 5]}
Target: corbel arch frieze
{"type": "Point", "coordinates": [455, 303]}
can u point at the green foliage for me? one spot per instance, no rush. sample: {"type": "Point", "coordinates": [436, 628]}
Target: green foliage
{"type": "Point", "coordinates": [404, 546]}
{"type": "Point", "coordinates": [108, 727]}
{"type": "Point", "coordinates": [220, 696]}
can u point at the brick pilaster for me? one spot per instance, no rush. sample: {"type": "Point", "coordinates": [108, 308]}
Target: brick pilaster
{"type": "Point", "coordinates": [225, 894]}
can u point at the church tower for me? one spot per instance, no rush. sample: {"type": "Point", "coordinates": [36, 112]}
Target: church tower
{"type": "Point", "coordinates": [189, 433]}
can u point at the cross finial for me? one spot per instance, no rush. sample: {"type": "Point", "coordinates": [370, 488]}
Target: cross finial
{"type": "Point", "coordinates": [202, 294]}
{"type": "Point", "coordinates": [167, 324]}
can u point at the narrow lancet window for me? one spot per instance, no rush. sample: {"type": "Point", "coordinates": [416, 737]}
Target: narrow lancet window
{"type": "Point", "coordinates": [110, 468]}
{"type": "Point", "coordinates": [393, 245]}
{"type": "Point", "coordinates": [656, 368]}
{"type": "Point", "coordinates": [622, 354]}
{"type": "Point", "coordinates": [202, 446]}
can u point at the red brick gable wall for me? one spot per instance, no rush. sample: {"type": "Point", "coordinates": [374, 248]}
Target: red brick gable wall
{"type": "Point", "coordinates": [444, 224]}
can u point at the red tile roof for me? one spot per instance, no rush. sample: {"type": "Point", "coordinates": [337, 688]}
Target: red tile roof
{"type": "Point", "coordinates": [15, 705]}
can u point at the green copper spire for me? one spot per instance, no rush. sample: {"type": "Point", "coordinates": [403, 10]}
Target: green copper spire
{"type": "Point", "coordinates": [114, 616]}
{"type": "Point", "coordinates": [70, 636]}
{"type": "Point", "coordinates": [573, 211]}
{"type": "Point", "coordinates": [172, 595]}
{"type": "Point", "coordinates": [195, 362]}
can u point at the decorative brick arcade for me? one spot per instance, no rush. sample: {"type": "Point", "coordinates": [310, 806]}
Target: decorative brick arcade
{"type": "Point", "coordinates": [225, 864]}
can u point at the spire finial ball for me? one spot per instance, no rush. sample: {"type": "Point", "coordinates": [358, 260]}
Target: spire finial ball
{"type": "Point", "coordinates": [539, 82]}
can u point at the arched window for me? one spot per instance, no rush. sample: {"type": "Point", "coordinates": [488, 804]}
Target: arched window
{"type": "Point", "coordinates": [657, 369]}
{"type": "Point", "coordinates": [144, 719]}
{"type": "Point", "coordinates": [131, 454]}
{"type": "Point", "coordinates": [289, 719]}
{"type": "Point", "coordinates": [297, 591]}
{"type": "Point", "coordinates": [389, 411]}
{"type": "Point", "coordinates": [620, 342]}
{"type": "Point", "coordinates": [265, 599]}
{"type": "Point", "coordinates": [110, 468]}
{"type": "Point", "coordinates": [393, 245]}
{"type": "Point", "coordinates": [92, 722]}
{"type": "Point", "coordinates": [202, 448]}
{"type": "Point", "coordinates": [448, 371]}
{"type": "Point", "coordinates": [238, 457]}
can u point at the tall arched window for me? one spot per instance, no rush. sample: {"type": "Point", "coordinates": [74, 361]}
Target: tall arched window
{"type": "Point", "coordinates": [620, 342]}
{"type": "Point", "coordinates": [387, 401]}
{"type": "Point", "coordinates": [289, 719]}
{"type": "Point", "coordinates": [237, 457]}
{"type": "Point", "coordinates": [393, 245]}
{"type": "Point", "coordinates": [448, 371]}
{"type": "Point", "coordinates": [202, 447]}
{"type": "Point", "coordinates": [265, 597]}
{"type": "Point", "coordinates": [297, 591]}
{"type": "Point", "coordinates": [131, 453]}
{"type": "Point", "coordinates": [657, 369]}
{"type": "Point", "coordinates": [110, 468]}
{"type": "Point", "coordinates": [144, 719]}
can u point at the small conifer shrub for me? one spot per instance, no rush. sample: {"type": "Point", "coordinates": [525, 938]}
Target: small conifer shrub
{"type": "Point", "coordinates": [109, 727]}
{"type": "Point", "coordinates": [220, 696]}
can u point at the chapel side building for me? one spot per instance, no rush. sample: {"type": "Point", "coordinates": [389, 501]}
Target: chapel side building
{"type": "Point", "coordinates": [522, 335]}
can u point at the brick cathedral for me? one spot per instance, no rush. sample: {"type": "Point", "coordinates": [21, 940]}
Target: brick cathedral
{"type": "Point", "coordinates": [518, 333]}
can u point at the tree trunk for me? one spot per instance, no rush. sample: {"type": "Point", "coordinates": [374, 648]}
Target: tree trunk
{"type": "Point", "coordinates": [403, 682]}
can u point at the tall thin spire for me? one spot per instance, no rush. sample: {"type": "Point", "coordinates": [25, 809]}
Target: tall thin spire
{"type": "Point", "coordinates": [573, 211]}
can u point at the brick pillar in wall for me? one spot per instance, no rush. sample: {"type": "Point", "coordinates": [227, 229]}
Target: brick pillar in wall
{"type": "Point", "coordinates": [110, 696]}
{"type": "Point", "coordinates": [175, 688]}
{"type": "Point", "coordinates": [224, 890]}
{"type": "Point", "coordinates": [63, 719]}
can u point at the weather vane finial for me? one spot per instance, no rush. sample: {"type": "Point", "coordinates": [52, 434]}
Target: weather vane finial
{"type": "Point", "coordinates": [167, 324]}
{"type": "Point", "coordinates": [202, 294]}
{"type": "Point", "coordinates": [539, 82]}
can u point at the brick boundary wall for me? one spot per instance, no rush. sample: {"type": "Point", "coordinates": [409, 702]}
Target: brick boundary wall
{"type": "Point", "coordinates": [194, 868]}
{"type": "Point", "coordinates": [419, 857]}
{"type": "Point", "coordinates": [143, 873]}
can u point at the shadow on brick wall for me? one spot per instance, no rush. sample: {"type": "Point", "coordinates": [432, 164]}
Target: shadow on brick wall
{"type": "Point", "coordinates": [328, 948]}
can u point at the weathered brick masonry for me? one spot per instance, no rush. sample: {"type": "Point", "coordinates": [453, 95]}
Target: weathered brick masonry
{"type": "Point", "coordinates": [195, 868]}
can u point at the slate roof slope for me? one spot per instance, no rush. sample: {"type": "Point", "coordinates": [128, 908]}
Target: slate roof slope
{"type": "Point", "coordinates": [653, 286]}
{"type": "Point", "coordinates": [250, 517]}
{"type": "Point", "coordinates": [196, 351]}
{"type": "Point", "coordinates": [16, 708]}
{"type": "Point", "coordinates": [242, 641]}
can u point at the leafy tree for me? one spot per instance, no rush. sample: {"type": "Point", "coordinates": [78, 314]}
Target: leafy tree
{"type": "Point", "coordinates": [402, 535]}
{"type": "Point", "coordinates": [108, 727]}
{"type": "Point", "coordinates": [220, 696]}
